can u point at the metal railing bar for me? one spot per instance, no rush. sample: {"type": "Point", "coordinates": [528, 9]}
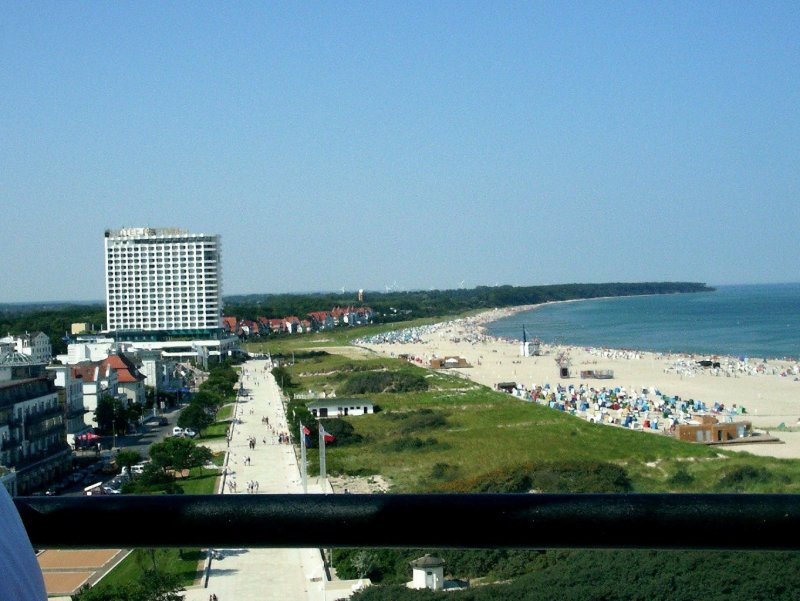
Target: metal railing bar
{"type": "Point", "coordinates": [532, 521]}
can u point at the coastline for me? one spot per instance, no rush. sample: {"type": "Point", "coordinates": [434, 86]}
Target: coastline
{"type": "Point", "coordinates": [768, 391]}
{"type": "Point", "coordinates": [790, 358]}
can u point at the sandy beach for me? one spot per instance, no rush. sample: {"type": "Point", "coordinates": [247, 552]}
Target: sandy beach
{"type": "Point", "coordinates": [768, 391]}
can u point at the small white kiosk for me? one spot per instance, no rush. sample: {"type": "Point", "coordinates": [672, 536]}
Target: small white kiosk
{"type": "Point", "coordinates": [427, 572]}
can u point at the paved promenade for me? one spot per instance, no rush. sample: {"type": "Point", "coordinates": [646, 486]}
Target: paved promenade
{"type": "Point", "coordinates": [262, 574]}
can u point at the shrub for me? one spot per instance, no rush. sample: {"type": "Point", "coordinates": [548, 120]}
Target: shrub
{"type": "Point", "coordinates": [444, 471]}
{"type": "Point", "coordinates": [739, 479]}
{"type": "Point", "coordinates": [373, 382]}
{"type": "Point", "coordinates": [423, 421]}
{"type": "Point", "coordinates": [681, 478]}
{"type": "Point", "coordinates": [552, 477]}
{"type": "Point", "coordinates": [410, 443]}
{"type": "Point", "coordinates": [342, 430]}
{"type": "Point", "coordinates": [412, 421]}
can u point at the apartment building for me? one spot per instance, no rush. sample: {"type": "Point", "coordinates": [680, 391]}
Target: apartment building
{"type": "Point", "coordinates": [162, 283]}
{"type": "Point", "coordinates": [34, 344]}
{"type": "Point", "coordinates": [32, 430]}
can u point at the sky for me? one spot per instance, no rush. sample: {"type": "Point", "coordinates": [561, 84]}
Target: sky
{"type": "Point", "coordinates": [410, 145]}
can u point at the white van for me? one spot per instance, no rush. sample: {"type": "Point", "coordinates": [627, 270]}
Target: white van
{"type": "Point", "coordinates": [177, 431]}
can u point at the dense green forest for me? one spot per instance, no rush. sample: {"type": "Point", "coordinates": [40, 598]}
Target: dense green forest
{"type": "Point", "coordinates": [55, 321]}
{"type": "Point", "coordinates": [619, 576]}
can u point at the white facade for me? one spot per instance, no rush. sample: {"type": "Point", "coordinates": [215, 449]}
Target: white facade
{"type": "Point", "coordinates": [95, 350]}
{"type": "Point", "coordinates": [97, 380]}
{"type": "Point", "coordinates": [162, 280]}
{"type": "Point", "coordinates": [73, 400]}
{"type": "Point", "coordinates": [36, 346]}
{"type": "Point", "coordinates": [427, 572]}
{"type": "Point", "coordinates": [340, 407]}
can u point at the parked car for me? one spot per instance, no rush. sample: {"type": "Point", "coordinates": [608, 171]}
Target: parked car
{"type": "Point", "coordinates": [189, 432]}
{"type": "Point", "coordinates": [177, 431]}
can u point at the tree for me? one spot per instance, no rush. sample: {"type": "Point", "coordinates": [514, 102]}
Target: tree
{"type": "Point", "coordinates": [283, 378]}
{"type": "Point", "coordinates": [209, 400]}
{"type": "Point", "coordinates": [363, 562]}
{"type": "Point", "coordinates": [195, 417]}
{"type": "Point", "coordinates": [179, 454]}
{"type": "Point", "coordinates": [128, 458]}
{"type": "Point", "coordinates": [111, 416]}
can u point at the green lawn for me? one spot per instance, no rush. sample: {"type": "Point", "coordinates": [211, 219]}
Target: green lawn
{"type": "Point", "coordinates": [485, 431]}
{"type": "Point", "coordinates": [225, 412]}
{"type": "Point", "coordinates": [201, 481]}
{"type": "Point", "coordinates": [186, 563]}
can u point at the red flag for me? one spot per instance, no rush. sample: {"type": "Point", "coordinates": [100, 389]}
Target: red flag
{"type": "Point", "coordinates": [325, 436]}
{"type": "Point", "coordinates": [306, 431]}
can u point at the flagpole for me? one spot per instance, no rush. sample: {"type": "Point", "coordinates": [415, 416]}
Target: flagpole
{"type": "Point", "coordinates": [322, 474]}
{"type": "Point", "coordinates": [303, 458]}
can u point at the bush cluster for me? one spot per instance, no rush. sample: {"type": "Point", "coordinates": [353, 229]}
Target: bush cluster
{"type": "Point", "coordinates": [343, 431]}
{"type": "Point", "coordinates": [374, 382]}
{"type": "Point", "coordinates": [414, 421]}
{"type": "Point", "coordinates": [410, 443]}
{"type": "Point", "coordinates": [548, 477]}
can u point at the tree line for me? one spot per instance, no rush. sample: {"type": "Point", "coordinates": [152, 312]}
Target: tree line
{"type": "Point", "coordinates": [56, 320]}
{"type": "Point", "coordinates": [397, 305]}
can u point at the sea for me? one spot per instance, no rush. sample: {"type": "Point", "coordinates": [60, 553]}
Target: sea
{"type": "Point", "coordinates": [746, 321]}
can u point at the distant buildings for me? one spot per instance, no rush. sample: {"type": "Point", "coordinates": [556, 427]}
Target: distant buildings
{"type": "Point", "coordinates": [316, 321]}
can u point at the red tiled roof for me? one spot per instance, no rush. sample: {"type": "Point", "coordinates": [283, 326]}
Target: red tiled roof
{"type": "Point", "coordinates": [126, 370]}
{"type": "Point", "coordinates": [85, 371]}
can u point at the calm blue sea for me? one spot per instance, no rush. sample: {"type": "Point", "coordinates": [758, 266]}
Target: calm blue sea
{"type": "Point", "coordinates": [744, 321]}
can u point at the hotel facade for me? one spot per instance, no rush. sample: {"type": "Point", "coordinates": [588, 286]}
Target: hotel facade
{"type": "Point", "coordinates": [162, 283]}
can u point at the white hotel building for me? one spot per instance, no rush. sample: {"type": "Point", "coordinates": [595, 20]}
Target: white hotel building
{"type": "Point", "coordinates": [162, 284]}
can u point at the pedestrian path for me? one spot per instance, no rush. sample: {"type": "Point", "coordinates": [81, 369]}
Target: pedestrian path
{"type": "Point", "coordinates": [259, 462]}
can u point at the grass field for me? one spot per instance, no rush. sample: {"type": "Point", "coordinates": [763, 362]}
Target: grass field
{"type": "Point", "coordinates": [479, 431]}
{"type": "Point", "coordinates": [185, 563]}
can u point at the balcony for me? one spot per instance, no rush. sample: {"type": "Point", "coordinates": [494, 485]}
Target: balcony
{"type": "Point", "coordinates": [41, 416]}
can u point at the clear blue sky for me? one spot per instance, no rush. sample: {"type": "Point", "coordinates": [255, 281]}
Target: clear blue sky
{"type": "Point", "coordinates": [420, 144]}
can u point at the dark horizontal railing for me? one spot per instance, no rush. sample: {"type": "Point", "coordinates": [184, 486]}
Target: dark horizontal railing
{"type": "Point", "coordinates": [533, 521]}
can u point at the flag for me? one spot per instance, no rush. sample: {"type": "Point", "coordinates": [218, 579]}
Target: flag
{"type": "Point", "coordinates": [327, 437]}
{"type": "Point", "coordinates": [306, 431]}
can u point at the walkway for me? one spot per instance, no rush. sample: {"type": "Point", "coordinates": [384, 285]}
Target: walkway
{"type": "Point", "coordinates": [262, 574]}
